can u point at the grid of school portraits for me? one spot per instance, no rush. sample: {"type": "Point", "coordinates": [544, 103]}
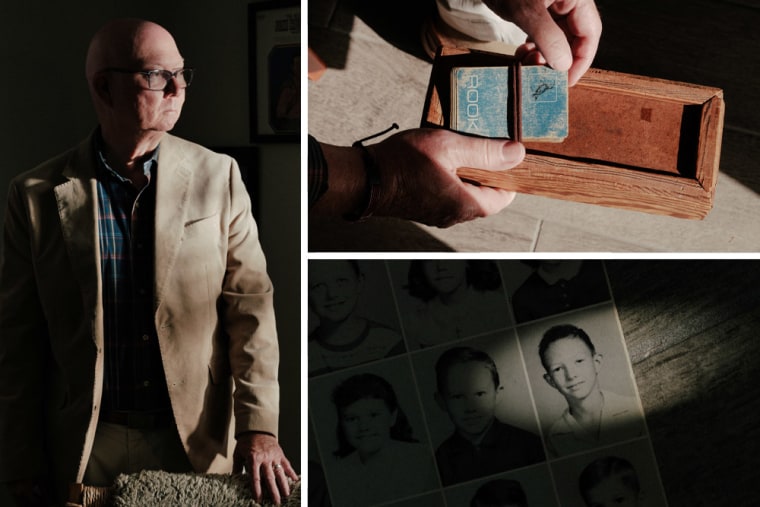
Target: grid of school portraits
{"type": "Point", "coordinates": [456, 382]}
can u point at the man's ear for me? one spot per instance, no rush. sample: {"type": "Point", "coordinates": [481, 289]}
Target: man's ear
{"type": "Point", "coordinates": [102, 87]}
{"type": "Point", "coordinates": [598, 361]}
{"type": "Point", "coordinates": [549, 380]}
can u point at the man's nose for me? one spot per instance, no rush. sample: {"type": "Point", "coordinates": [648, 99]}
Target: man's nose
{"type": "Point", "coordinates": [173, 87]}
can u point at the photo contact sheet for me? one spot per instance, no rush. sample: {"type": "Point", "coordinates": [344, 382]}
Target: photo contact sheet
{"type": "Point", "coordinates": [472, 383]}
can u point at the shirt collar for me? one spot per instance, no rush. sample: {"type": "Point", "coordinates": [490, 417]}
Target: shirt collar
{"type": "Point", "coordinates": [103, 163]}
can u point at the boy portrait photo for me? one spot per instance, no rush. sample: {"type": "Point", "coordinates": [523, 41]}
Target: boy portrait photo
{"type": "Point", "coordinates": [352, 315]}
{"type": "Point", "coordinates": [478, 407]}
{"type": "Point", "coordinates": [618, 476]}
{"type": "Point", "coordinates": [525, 487]}
{"type": "Point", "coordinates": [582, 381]}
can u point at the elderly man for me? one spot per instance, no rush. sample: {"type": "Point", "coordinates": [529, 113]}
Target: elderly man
{"type": "Point", "coordinates": [136, 314]}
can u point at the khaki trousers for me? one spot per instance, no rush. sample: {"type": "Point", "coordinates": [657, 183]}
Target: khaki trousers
{"type": "Point", "coordinates": [118, 449]}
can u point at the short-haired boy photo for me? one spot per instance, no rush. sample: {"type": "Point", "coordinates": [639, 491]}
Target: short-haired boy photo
{"type": "Point", "coordinates": [468, 385]}
{"type": "Point", "coordinates": [523, 487]}
{"type": "Point", "coordinates": [610, 481]}
{"type": "Point", "coordinates": [352, 316]}
{"type": "Point", "coordinates": [623, 475]}
{"type": "Point", "coordinates": [585, 395]}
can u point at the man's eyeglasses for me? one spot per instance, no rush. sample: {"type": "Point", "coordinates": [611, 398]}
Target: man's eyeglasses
{"type": "Point", "coordinates": [159, 79]}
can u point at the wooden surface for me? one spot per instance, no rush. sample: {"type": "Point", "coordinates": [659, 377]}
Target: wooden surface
{"type": "Point", "coordinates": [377, 75]}
{"type": "Point", "coordinates": [691, 328]}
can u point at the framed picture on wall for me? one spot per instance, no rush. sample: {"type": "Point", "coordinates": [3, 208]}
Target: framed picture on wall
{"type": "Point", "coordinates": [274, 37]}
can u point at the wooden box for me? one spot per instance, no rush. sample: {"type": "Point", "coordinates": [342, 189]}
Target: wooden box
{"type": "Point", "coordinates": [634, 142]}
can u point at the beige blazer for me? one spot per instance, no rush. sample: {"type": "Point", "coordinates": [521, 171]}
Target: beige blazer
{"type": "Point", "coordinates": [213, 313]}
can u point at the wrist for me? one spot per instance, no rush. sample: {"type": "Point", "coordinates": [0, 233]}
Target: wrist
{"type": "Point", "coordinates": [366, 204]}
{"type": "Point", "coordinates": [369, 204]}
{"type": "Point", "coordinates": [346, 181]}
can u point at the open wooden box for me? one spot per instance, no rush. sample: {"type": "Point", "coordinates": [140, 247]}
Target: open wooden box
{"type": "Point", "coordinates": [634, 142]}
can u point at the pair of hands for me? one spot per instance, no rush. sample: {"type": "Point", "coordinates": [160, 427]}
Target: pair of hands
{"type": "Point", "coordinates": [418, 167]}
{"type": "Point", "coordinates": [561, 33]}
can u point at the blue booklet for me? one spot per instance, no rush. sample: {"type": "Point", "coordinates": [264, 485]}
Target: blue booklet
{"type": "Point", "coordinates": [525, 103]}
{"type": "Point", "coordinates": [480, 98]}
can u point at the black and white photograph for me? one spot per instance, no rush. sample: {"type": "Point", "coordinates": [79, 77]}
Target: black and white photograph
{"type": "Point", "coordinates": [352, 315]}
{"type": "Point", "coordinates": [624, 475]}
{"type": "Point", "coordinates": [478, 407]}
{"type": "Point", "coordinates": [582, 381]}
{"type": "Point", "coordinates": [441, 301]}
{"type": "Point", "coordinates": [541, 288]}
{"type": "Point", "coordinates": [499, 417]}
{"type": "Point", "coordinates": [370, 430]}
{"type": "Point", "coordinates": [519, 488]}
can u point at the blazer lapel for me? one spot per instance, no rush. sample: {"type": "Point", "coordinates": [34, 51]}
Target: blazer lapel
{"type": "Point", "coordinates": [172, 183]}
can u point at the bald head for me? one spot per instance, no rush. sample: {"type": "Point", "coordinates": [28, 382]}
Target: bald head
{"type": "Point", "coordinates": [127, 43]}
{"type": "Point", "coordinates": [120, 58]}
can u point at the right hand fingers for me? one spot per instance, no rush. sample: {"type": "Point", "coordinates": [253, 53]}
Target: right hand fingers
{"type": "Point", "coordinates": [533, 17]}
{"type": "Point", "coordinates": [548, 37]}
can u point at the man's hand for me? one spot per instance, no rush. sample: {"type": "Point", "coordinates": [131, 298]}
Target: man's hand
{"type": "Point", "coordinates": [418, 177]}
{"type": "Point", "coordinates": [418, 172]}
{"type": "Point", "coordinates": [563, 33]}
{"type": "Point", "coordinates": [261, 456]}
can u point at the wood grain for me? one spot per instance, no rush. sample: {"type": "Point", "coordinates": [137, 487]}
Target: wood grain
{"type": "Point", "coordinates": [596, 183]}
{"type": "Point", "coordinates": [691, 328]}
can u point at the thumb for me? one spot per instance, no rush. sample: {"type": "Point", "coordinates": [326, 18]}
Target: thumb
{"type": "Point", "coordinates": [547, 35]}
{"type": "Point", "coordinates": [489, 154]}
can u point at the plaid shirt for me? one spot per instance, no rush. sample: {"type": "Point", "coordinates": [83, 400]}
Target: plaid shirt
{"type": "Point", "coordinates": [133, 377]}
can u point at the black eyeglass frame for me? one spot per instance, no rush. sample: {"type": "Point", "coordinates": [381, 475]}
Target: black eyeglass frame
{"type": "Point", "coordinates": [168, 75]}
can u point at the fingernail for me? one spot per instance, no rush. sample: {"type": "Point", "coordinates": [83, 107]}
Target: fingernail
{"type": "Point", "coordinates": [514, 152]}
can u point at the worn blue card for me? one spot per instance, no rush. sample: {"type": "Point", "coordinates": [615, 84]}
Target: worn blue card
{"type": "Point", "coordinates": [543, 103]}
{"type": "Point", "coordinates": [481, 102]}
